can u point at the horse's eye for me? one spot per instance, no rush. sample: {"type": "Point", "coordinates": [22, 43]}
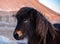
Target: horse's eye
{"type": "Point", "coordinates": [25, 20]}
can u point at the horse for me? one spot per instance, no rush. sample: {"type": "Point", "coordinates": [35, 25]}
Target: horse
{"type": "Point", "coordinates": [57, 25]}
{"type": "Point", "coordinates": [32, 24]}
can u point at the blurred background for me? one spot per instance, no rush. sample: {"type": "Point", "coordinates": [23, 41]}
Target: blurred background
{"type": "Point", "coordinates": [52, 4]}
{"type": "Point", "coordinates": [8, 23]}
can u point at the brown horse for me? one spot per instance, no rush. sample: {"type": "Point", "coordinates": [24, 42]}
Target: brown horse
{"type": "Point", "coordinates": [33, 25]}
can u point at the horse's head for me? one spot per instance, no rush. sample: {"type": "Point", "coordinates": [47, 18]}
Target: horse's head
{"type": "Point", "coordinates": [26, 23]}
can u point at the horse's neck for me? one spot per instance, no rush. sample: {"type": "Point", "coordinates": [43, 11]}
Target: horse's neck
{"type": "Point", "coordinates": [49, 39]}
{"type": "Point", "coordinates": [33, 40]}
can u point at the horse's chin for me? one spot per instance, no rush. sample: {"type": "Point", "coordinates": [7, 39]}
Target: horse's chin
{"type": "Point", "coordinates": [19, 38]}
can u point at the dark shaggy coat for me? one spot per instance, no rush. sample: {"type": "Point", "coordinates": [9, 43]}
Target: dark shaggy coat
{"type": "Point", "coordinates": [38, 29]}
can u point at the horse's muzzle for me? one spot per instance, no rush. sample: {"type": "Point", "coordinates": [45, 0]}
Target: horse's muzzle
{"type": "Point", "coordinates": [18, 35]}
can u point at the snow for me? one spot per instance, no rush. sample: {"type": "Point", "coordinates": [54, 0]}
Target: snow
{"type": "Point", "coordinates": [4, 40]}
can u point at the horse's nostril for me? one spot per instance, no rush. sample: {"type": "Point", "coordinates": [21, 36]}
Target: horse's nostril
{"type": "Point", "coordinates": [16, 36]}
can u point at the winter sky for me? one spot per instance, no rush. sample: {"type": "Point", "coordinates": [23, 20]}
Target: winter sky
{"type": "Point", "coordinates": [52, 4]}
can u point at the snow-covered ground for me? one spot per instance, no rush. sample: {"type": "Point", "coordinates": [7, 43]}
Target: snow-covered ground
{"type": "Point", "coordinates": [5, 40]}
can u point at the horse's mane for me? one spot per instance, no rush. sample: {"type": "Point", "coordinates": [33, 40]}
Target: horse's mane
{"type": "Point", "coordinates": [44, 27]}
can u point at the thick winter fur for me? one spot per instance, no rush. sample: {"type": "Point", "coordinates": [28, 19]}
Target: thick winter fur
{"type": "Point", "coordinates": [35, 26]}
